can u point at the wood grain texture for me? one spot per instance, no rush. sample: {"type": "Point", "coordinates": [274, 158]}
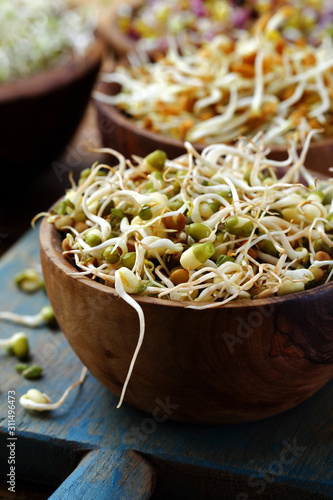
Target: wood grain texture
{"type": "Point", "coordinates": [241, 362]}
{"type": "Point", "coordinates": [123, 135]}
{"type": "Point", "coordinates": [104, 453]}
{"type": "Point", "coordinates": [34, 114]}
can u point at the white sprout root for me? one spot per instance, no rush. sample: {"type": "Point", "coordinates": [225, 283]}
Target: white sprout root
{"type": "Point", "coordinates": [127, 298]}
{"type": "Point", "coordinates": [43, 317]}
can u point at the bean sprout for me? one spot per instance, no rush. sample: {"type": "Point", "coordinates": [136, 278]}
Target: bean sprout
{"type": "Point", "coordinates": [35, 400]}
{"type": "Point", "coordinates": [44, 316]}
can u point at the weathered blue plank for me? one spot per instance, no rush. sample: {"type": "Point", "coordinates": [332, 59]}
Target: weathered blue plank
{"type": "Point", "coordinates": [88, 449]}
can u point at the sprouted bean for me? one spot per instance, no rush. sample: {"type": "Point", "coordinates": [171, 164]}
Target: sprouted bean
{"type": "Point", "coordinates": [29, 280]}
{"type": "Point", "coordinates": [17, 344]}
{"type": "Point", "coordinates": [45, 316]}
{"type": "Point", "coordinates": [252, 81]}
{"type": "Point", "coordinates": [269, 230]}
{"type": "Point", "coordinates": [20, 367]}
{"type": "Point", "coordinates": [36, 400]}
{"type": "Point", "coordinates": [30, 372]}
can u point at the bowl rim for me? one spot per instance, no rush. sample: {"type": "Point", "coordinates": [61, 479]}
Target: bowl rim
{"type": "Point", "coordinates": [57, 76]}
{"type": "Point", "coordinates": [114, 115]}
{"type": "Point", "coordinates": [49, 236]}
{"type": "Point", "coordinates": [113, 36]}
{"type": "Point", "coordinates": [120, 120]}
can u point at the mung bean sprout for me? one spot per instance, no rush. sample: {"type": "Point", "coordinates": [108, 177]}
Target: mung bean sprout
{"type": "Point", "coordinates": [36, 400]}
{"type": "Point", "coordinates": [17, 344]}
{"type": "Point", "coordinates": [44, 316]}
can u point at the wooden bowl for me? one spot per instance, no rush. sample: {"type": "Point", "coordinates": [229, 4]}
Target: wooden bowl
{"type": "Point", "coordinates": [39, 114]}
{"type": "Point", "coordinates": [119, 42]}
{"type": "Point", "coordinates": [244, 361]}
{"type": "Point", "coordinates": [123, 135]}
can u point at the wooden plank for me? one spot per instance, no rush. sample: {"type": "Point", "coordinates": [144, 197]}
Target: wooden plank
{"type": "Point", "coordinates": [88, 449]}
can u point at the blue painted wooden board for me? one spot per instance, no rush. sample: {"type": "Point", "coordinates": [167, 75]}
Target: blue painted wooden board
{"type": "Point", "coordinates": [88, 449]}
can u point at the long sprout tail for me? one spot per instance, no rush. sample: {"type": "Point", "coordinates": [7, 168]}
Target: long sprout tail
{"type": "Point", "coordinates": [127, 298]}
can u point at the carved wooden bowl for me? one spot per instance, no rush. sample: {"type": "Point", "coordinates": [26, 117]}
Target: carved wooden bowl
{"type": "Point", "coordinates": [242, 362]}
{"type": "Point", "coordinates": [39, 114]}
{"type": "Point", "coordinates": [123, 135]}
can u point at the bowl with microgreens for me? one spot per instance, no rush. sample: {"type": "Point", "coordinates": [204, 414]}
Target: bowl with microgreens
{"type": "Point", "coordinates": [239, 84]}
{"type": "Point", "coordinates": [50, 58]}
{"type": "Point", "coordinates": [203, 281]}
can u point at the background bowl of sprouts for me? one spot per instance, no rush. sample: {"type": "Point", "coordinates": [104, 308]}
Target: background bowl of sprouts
{"type": "Point", "coordinates": [147, 26]}
{"type": "Point", "coordinates": [232, 85]}
{"type": "Point", "coordinates": [204, 281]}
{"type": "Point", "coordinates": [49, 59]}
